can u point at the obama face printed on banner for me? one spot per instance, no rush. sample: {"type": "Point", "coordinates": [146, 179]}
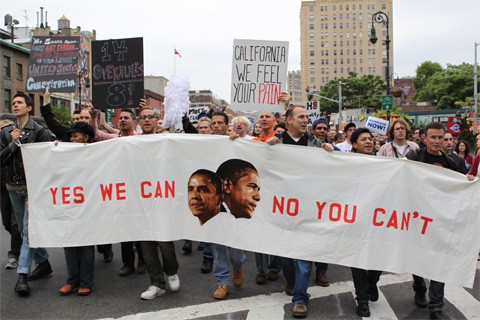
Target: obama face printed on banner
{"type": "Point", "coordinates": [241, 187]}
{"type": "Point", "coordinates": [204, 194]}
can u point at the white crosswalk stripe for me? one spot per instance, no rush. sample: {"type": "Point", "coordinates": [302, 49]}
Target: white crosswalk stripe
{"type": "Point", "coordinates": [271, 306]}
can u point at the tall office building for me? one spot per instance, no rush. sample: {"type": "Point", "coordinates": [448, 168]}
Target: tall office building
{"type": "Point", "coordinates": [335, 40]}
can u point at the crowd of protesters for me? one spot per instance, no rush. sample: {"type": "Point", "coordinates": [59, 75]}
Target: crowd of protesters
{"type": "Point", "coordinates": [432, 144]}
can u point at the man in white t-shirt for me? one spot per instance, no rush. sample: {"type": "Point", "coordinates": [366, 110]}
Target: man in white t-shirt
{"type": "Point", "coordinates": [346, 146]}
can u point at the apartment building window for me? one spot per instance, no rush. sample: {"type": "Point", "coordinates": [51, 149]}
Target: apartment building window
{"type": "Point", "coordinates": [311, 26]}
{"type": "Point", "coordinates": [7, 71]}
{"type": "Point", "coordinates": [334, 43]}
{"type": "Point", "coordinates": [310, 8]}
{"type": "Point", "coordinates": [340, 7]}
{"type": "Point", "coordinates": [312, 79]}
{"type": "Point", "coordinates": [341, 61]}
{"type": "Point", "coordinates": [8, 100]}
{"type": "Point", "coordinates": [359, 7]}
{"type": "Point", "coordinates": [346, 7]}
{"type": "Point", "coordinates": [311, 17]}
{"type": "Point", "coordinates": [311, 35]}
{"type": "Point", "coordinates": [19, 71]}
{"type": "Point", "coordinates": [384, 6]}
{"type": "Point", "coordinates": [312, 71]}
{"type": "Point", "coordinates": [341, 52]}
{"type": "Point", "coordinates": [361, 51]}
{"type": "Point", "coordinates": [334, 8]}
{"type": "Point", "coordinates": [335, 61]}
{"type": "Point", "coordinates": [335, 53]}
{"type": "Point", "coordinates": [334, 25]}
{"type": "Point", "coordinates": [360, 25]}
{"type": "Point", "coordinates": [334, 16]}
{"type": "Point", "coordinates": [348, 16]}
{"type": "Point", "coordinates": [348, 35]}
{"type": "Point", "coordinates": [312, 62]}
{"type": "Point", "coordinates": [354, 51]}
{"type": "Point", "coordinates": [311, 44]}
{"type": "Point", "coordinates": [353, 7]}
{"type": "Point", "coordinates": [312, 53]}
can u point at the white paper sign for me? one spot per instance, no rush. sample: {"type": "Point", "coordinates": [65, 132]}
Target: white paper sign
{"type": "Point", "coordinates": [377, 125]}
{"type": "Point", "coordinates": [259, 74]}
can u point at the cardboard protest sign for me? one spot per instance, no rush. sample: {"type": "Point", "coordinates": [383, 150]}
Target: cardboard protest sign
{"type": "Point", "coordinates": [117, 73]}
{"type": "Point", "coordinates": [53, 63]}
{"type": "Point", "coordinates": [259, 74]}
{"type": "Point", "coordinates": [194, 112]}
{"type": "Point", "coordinates": [377, 125]}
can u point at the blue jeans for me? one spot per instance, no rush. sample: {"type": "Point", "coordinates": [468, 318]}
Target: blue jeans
{"type": "Point", "coordinates": [266, 263]}
{"type": "Point", "coordinates": [221, 254]}
{"type": "Point", "coordinates": [436, 292]}
{"type": "Point", "coordinates": [297, 273]}
{"type": "Point", "coordinates": [207, 251]}
{"type": "Point", "coordinates": [27, 254]}
{"type": "Point", "coordinates": [80, 261]}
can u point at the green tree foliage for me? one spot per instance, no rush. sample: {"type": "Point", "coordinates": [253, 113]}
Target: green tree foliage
{"type": "Point", "coordinates": [447, 87]}
{"type": "Point", "coordinates": [62, 114]}
{"type": "Point", "coordinates": [424, 72]}
{"type": "Point", "coordinates": [363, 92]}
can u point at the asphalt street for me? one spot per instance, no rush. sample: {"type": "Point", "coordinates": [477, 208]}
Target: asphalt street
{"type": "Point", "coordinates": [119, 297]}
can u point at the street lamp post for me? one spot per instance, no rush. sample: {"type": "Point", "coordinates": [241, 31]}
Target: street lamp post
{"type": "Point", "coordinates": [382, 17]}
{"type": "Point", "coordinates": [475, 92]}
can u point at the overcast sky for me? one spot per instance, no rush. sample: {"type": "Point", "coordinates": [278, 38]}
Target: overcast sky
{"type": "Point", "coordinates": [203, 31]}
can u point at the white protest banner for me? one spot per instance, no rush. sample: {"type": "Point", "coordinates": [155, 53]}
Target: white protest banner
{"type": "Point", "coordinates": [377, 125]}
{"type": "Point", "coordinates": [259, 74]}
{"type": "Point", "coordinates": [369, 212]}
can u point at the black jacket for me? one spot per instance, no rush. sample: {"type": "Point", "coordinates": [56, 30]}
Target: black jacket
{"type": "Point", "coordinates": [10, 154]}
{"type": "Point", "coordinates": [421, 153]}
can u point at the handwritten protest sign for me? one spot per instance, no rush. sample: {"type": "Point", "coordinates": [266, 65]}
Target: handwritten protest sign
{"type": "Point", "coordinates": [117, 73]}
{"type": "Point", "coordinates": [350, 218]}
{"type": "Point", "coordinates": [259, 74]}
{"type": "Point", "coordinates": [53, 63]}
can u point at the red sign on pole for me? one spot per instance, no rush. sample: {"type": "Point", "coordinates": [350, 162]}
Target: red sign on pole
{"type": "Point", "coordinates": [453, 125]}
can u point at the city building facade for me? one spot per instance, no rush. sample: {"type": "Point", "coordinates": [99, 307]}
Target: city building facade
{"type": "Point", "coordinates": [335, 40]}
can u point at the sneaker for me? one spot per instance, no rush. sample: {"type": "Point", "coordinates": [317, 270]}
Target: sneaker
{"type": "Point", "coordinates": [322, 279]}
{"type": "Point", "coordinates": [363, 310]}
{"type": "Point", "coordinates": [11, 264]}
{"type": "Point", "coordinates": [42, 270]}
{"type": "Point", "coordinates": [437, 315]}
{"type": "Point", "coordinates": [207, 266]}
{"type": "Point", "coordinates": [221, 292]}
{"type": "Point", "coordinates": [238, 277]}
{"type": "Point", "coordinates": [300, 310]}
{"type": "Point", "coordinates": [173, 283]}
{"type": "Point", "coordinates": [152, 292]}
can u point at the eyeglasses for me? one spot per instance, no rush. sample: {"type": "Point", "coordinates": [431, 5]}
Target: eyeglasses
{"type": "Point", "coordinates": [146, 116]}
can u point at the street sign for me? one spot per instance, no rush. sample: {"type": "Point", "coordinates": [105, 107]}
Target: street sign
{"type": "Point", "coordinates": [387, 102]}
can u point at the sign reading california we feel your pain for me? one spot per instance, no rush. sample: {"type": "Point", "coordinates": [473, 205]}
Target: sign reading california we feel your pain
{"type": "Point", "coordinates": [117, 73]}
{"type": "Point", "coordinates": [53, 64]}
{"type": "Point", "coordinates": [259, 74]}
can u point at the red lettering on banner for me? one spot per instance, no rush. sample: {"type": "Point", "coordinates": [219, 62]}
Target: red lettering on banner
{"type": "Point", "coordinates": [425, 223]}
{"type": "Point", "coordinates": [392, 222]}
{"type": "Point", "coordinates": [292, 206]}
{"type": "Point", "coordinates": [54, 192]}
{"type": "Point", "coordinates": [375, 222]}
{"type": "Point", "coordinates": [65, 195]}
{"type": "Point", "coordinates": [78, 195]}
{"type": "Point", "coordinates": [107, 193]}
{"type": "Point", "coordinates": [142, 189]}
{"type": "Point", "coordinates": [120, 191]}
{"type": "Point", "coordinates": [331, 215]}
{"type": "Point", "coordinates": [320, 207]}
{"type": "Point", "coordinates": [168, 189]}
